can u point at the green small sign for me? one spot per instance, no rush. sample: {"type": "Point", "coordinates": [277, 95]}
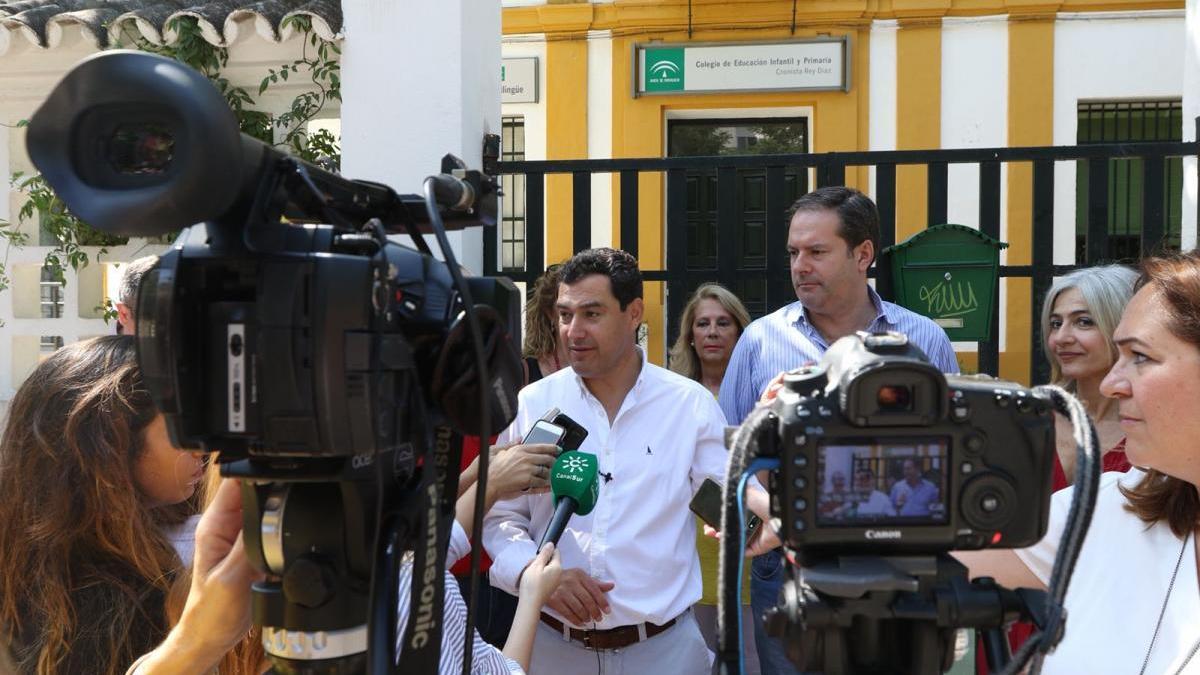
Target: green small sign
{"type": "Point", "coordinates": [663, 69]}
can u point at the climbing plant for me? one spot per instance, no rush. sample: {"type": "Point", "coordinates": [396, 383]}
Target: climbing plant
{"type": "Point", "coordinates": [318, 64]}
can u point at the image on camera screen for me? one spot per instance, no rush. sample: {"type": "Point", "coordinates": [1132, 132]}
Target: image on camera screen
{"type": "Point", "coordinates": [888, 482]}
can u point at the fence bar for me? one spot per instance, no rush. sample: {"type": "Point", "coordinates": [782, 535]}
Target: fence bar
{"type": "Point", "coordinates": [535, 223]}
{"type": "Point", "coordinates": [885, 201]}
{"type": "Point", "coordinates": [727, 221]}
{"type": "Point", "coordinates": [831, 173]}
{"type": "Point", "coordinates": [1153, 216]}
{"type": "Point", "coordinates": [629, 212]}
{"type": "Point", "coordinates": [864, 158]}
{"type": "Point", "coordinates": [581, 210]}
{"type": "Point", "coordinates": [677, 244]}
{"type": "Point", "coordinates": [491, 250]}
{"type": "Point", "coordinates": [989, 224]}
{"type": "Point", "coordinates": [1097, 223]}
{"type": "Point", "coordinates": [778, 293]}
{"type": "Point", "coordinates": [1042, 274]}
{"type": "Point", "coordinates": [936, 193]}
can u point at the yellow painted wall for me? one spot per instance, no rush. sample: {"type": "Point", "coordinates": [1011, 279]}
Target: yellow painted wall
{"type": "Point", "coordinates": [918, 115]}
{"type": "Point", "coordinates": [566, 135]}
{"type": "Point", "coordinates": [840, 121]}
{"type": "Point", "coordinates": [1030, 122]}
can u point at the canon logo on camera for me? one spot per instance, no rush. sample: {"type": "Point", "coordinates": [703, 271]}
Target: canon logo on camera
{"type": "Point", "coordinates": [884, 534]}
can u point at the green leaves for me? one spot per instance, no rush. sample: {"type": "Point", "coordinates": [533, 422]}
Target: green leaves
{"type": "Point", "coordinates": [58, 227]}
{"type": "Point", "coordinates": [318, 72]}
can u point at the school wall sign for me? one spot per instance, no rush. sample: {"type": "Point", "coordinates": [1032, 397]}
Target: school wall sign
{"type": "Point", "coordinates": [796, 65]}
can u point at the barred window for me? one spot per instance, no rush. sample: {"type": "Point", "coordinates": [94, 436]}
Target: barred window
{"type": "Point", "coordinates": [1130, 122]}
{"type": "Point", "coordinates": [51, 296]}
{"type": "Point", "coordinates": [48, 344]}
{"type": "Point", "coordinates": [512, 207]}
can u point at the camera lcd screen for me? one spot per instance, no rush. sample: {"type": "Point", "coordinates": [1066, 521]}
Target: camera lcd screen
{"type": "Point", "coordinates": [882, 482]}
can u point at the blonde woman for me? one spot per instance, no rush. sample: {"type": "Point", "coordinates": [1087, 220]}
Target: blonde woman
{"type": "Point", "coordinates": [711, 324]}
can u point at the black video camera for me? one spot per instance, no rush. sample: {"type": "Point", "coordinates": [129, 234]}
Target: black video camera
{"type": "Point", "coordinates": [286, 331]}
{"type": "Point", "coordinates": [881, 453]}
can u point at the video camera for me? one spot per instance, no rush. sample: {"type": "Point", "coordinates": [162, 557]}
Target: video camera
{"type": "Point", "coordinates": [884, 466]}
{"type": "Point", "coordinates": [327, 364]}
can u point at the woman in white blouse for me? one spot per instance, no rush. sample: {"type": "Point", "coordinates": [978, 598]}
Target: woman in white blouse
{"type": "Point", "coordinates": [1133, 605]}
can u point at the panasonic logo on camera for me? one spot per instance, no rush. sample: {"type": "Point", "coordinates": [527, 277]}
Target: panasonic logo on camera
{"type": "Point", "coordinates": [884, 534]}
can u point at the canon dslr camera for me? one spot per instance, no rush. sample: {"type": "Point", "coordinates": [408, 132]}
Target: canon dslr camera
{"type": "Point", "coordinates": [882, 453]}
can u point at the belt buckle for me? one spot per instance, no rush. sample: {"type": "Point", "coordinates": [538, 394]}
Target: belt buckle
{"type": "Point", "coordinates": [587, 639]}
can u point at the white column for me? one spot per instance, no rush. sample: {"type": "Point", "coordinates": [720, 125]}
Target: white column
{"type": "Point", "coordinates": [419, 80]}
{"type": "Point", "coordinates": [1191, 110]}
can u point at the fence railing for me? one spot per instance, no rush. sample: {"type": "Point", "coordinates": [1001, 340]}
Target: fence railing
{"type": "Point", "coordinates": [830, 169]}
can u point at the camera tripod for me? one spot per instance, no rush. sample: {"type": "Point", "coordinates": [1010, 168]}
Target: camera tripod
{"type": "Point", "coordinates": [892, 615]}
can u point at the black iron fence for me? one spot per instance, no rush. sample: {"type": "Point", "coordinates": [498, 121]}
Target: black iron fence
{"type": "Point", "coordinates": [830, 169]}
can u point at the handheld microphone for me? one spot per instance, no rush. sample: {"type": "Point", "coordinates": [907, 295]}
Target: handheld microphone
{"type": "Point", "coordinates": [575, 489]}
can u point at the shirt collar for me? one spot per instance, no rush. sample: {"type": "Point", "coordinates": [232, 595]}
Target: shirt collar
{"type": "Point", "coordinates": [797, 315]}
{"type": "Point", "coordinates": [637, 384]}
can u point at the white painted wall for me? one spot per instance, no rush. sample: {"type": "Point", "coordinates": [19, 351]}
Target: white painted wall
{"type": "Point", "coordinates": [882, 85]}
{"type": "Point", "coordinates": [439, 93]}
{"type": "Point", "coordinates": [518, 46]}
{"type": "Point", "coordinates": [975, 115]}
{"type": "Point", "coordinates": [1107, 56]}
{"type": "Point", "coordinates": [533, 114]}
{"type": "Point", "coordinates": [1191, 110]}
{"type": "Point", "coordinates": [974, 104]}
{"type": "Point", "coordinates": [599, 133]}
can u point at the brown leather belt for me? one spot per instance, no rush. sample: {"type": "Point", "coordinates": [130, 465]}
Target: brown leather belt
{"type": "Point", "coordinates": [612, 638]}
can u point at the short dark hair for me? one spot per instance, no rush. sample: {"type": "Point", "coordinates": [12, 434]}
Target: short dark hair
{"type": "Point", "coordinates": [619, 266]}
{"type": "Point", "coordinates": [857, 213]}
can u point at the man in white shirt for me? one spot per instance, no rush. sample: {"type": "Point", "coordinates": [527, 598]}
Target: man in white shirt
{"type": "Point", "coordinates": [630, 571]}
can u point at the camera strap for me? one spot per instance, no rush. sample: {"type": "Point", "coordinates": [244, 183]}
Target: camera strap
{"type": "Point", "coordinates": [422, 644]}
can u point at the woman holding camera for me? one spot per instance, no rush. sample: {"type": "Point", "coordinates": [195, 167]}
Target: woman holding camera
{"type": "Point", "coordinates": [94, 495]}
{"type": "Point", "coordinates": [1146, 520]}
{"type": "Point", "coordinates": [1079, 315]}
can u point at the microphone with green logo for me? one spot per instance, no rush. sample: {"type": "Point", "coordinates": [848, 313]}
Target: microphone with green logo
{"type": "Point", "coordinates": [575, 488]}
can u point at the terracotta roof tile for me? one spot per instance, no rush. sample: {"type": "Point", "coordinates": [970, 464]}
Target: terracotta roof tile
{"type": "Point", "coordinates": [41, 21]}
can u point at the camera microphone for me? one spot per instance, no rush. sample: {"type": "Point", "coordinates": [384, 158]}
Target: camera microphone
{"type": "Point", "coordinates": [575, 488]}
{"type": "Point", "coordinates": [453, 192]}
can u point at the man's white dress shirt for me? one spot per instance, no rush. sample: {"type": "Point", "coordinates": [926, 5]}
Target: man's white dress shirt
{"type": "Point", "coordinates": [666, 439]}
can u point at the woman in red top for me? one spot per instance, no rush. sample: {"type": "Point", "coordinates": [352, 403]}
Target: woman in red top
{"type": "Point", "coordinates": [1079, 314]}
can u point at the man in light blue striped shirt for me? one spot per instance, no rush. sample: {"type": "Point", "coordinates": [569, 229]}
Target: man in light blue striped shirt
{"type": "Point", "coordinates": [833, 236]}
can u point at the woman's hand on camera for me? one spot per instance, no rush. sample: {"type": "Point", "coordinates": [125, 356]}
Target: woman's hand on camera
{"type": "Point", "coordinates": [521, 469]}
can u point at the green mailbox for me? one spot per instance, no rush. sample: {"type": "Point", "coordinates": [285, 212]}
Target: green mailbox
{"type": "Point", "coordinates": [948, 273]}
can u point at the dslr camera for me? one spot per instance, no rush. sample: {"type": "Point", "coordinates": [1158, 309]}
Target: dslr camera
{"type": "Point", "coordinates": [884, 466]}
{"type": "Point", "coordinates": [881, 453]}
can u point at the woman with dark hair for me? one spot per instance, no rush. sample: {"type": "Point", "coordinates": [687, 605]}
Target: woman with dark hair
{"type": "Point", "coordinates": [1134, 597]}
{"type": "Point", "coordinates": [94, 494]}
